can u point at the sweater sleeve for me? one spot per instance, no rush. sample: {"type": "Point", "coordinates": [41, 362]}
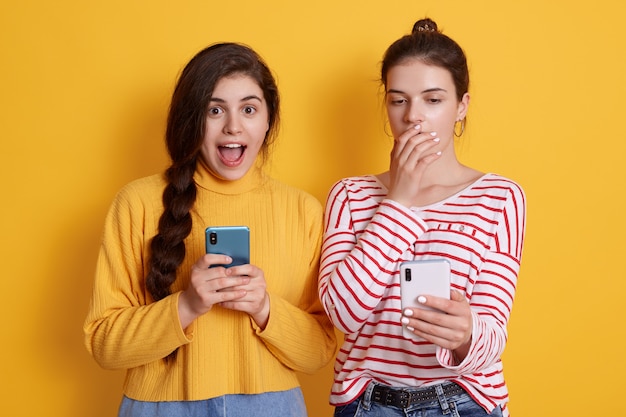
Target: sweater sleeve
{"type": "Point", "coordinates": [300, 334]}
{"type": "Point", "coordinates": [491, 299]}
{"type": "Point", "coordinates": [355, 270]}
{"type": "Point", "coordinates": [123, 329]}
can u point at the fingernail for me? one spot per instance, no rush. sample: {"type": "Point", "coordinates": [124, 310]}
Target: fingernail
{"type": "Point", "coordinates": [408, 312]}
{"type": "Point", "coordinates": [433, 133]}
{"type": "Point", "coordinates": [410, 328]}
{"type": "Point", "coordinates": [421, 299]}
{"type": "Point", "coordinates": [436, 140]}
{"type": "Point", "coordinates": [416, 127]}
{"type": "Point", "coordinates": [404, 320]}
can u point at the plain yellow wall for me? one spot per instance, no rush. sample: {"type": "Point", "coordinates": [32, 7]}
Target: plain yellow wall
{"type": "Point", "coordinates": [85, 89]}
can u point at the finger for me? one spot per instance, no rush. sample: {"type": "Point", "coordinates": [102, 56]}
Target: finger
{"type": "Point", "coordinates": [241, 270]}
{"type": "Point", "coordinates": [222, 297]}
{"type": "Point", "coordinates": [211, 259]}
{"type": "Point", "coordinates": [413, 138]}
{"type": "Point", "coordinates": [433, 324]}
{"type": "Point", "coordinates": [436, 339]}
{"type": "Point", "coordinates": [403, 140]}
{"type": "Point", "coordinates": [449, 338]}
{"type": "Point", "coordinates": [440, 303]}
{"type": "Point", "coordinates": [409, 133]}
{"type": "Point", "coordinates": [235, 283]}
{"type": "Point", "coordinates": [207, 295]}
{"type": "Point", "coordinates": [428, 159]}
{"type": "Point", "coordinates": [416, 316]}
{"type": "Point", "coordinates": [437, 303]}
{"type": "Point", "coordinates": [418, 149]}
{"type": "Point", "coordinates": [252, 303]}
{"type": "Point", "coordinates": [422, 326]}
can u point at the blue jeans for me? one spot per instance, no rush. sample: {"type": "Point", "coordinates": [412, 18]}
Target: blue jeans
{"type": "Point", "coordinates": [461, 405]}
{"type": "Point", "coordinates": [270, 404]}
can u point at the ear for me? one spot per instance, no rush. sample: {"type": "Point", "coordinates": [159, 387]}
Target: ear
{"type": "Point", "coordinates": [463, 106]}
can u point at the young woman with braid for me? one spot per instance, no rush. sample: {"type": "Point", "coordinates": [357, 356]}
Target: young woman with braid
{"type": "Point", "coordinates": [426, 206]}
{"type": "Point", "coordinates": [200, 341]}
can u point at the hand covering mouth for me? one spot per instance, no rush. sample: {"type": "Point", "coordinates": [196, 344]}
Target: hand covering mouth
{"type": "Point", "coordinates": [231, 152]}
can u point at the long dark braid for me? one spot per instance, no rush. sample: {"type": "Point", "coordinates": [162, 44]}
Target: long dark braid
{"type": "Point", "coordinates": [184, 137]}
{"type": "Point", "coordinates": [168, 246]}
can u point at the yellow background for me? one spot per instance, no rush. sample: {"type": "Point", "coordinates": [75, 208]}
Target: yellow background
{"type": "Point", "coordinates": [85, 90]}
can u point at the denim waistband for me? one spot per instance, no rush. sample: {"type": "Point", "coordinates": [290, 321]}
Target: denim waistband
{"type": "Point", "coordinates": [406, 397]}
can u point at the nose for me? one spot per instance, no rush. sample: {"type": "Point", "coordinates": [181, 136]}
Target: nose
{"type": "Point", "coordinates": [414, 114]}
{"type": "Point", "coordinates": [232, 125]}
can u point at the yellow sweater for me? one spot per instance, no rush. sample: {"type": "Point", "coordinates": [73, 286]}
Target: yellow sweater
{"type": "Point", "coordinates": [223, 351]}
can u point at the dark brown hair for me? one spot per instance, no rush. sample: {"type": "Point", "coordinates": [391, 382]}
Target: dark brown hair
{"type": "Point", "coordinates": [427, 44]}
{"type": "Point", "coordinates": [184, 136]}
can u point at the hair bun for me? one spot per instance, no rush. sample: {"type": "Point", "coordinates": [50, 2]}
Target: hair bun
{"type": "Point", "coordinates": [424, 25]}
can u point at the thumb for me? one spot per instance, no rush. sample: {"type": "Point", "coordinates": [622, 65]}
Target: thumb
{"type": "Point", "coordinates": [456, 296]}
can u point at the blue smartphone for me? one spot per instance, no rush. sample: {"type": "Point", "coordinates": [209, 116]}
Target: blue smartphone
{"type": "Point", "coordinates": [233, 241]}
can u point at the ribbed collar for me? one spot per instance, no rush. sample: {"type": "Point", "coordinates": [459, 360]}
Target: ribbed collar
{"type": "Point", "coordinates": [206, 179]}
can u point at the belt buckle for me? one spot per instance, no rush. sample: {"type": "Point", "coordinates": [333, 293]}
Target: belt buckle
{"type": "Point", "coordinates": [403, 398]}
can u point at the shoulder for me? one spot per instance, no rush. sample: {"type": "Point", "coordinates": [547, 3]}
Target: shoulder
{"type": "Point", "coordinates": [145, 184]}
{"type": "Point", "coordinates": [499, 182]}
{"type": "Point", "coordinates": [501, 191]}
{"type": "Point", "coordinates": [357, 188]}
{"type": "Point", "coordinates": [137, 204]}
{"type": "Point", "coordinates": [293, 195]}
{"type": "Point", "coordinates": [362, 183]}
{"type": "Point", "coordinates": [142, 191]}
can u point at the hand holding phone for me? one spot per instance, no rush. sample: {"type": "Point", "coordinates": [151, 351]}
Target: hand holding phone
{"type": "Point", "coordinates": [233, 241]}
{"type": "Point", "coordinates": [417, 278]}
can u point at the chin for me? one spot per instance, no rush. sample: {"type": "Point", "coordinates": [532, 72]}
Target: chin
{"type": "Point", "coordinates": [232, 174]}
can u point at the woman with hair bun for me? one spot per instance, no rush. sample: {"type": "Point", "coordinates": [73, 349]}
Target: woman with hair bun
{"type": "Point", "coordinates": [407, 360]}
{"type": "Point", "coordinates": [197, 338]}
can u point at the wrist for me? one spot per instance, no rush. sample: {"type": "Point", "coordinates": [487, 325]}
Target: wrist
{"type": "Point", "coordinates": [262, 317]}
{"type": "Point", "coordinates": [461, 352]}
{"type": "Point", "coordinates": [186, 314]}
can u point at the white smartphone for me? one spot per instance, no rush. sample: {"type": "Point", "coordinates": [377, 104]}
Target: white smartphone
{"type": "Point", "coordinates": [428, 277]}
{"type": "Point", "coordinates": [233, 241]}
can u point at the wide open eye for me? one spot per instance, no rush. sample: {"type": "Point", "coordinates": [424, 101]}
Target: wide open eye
{"type": "Point", "coordinates": [249, 110]}
{"type": "Point", "coordinates": [215, 111]}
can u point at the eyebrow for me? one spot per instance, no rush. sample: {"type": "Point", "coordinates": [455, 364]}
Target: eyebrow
{"type": "Point", "coordinates": [247, 98]}
{"type": "Point", "coordinates": [428, 90]}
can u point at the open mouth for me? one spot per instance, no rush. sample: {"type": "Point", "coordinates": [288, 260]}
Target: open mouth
{"type": "Point", "coordinates": [232, 153]}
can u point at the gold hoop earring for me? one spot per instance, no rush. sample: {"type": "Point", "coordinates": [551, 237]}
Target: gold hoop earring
{"type": "Point", "coordinates": [458, 135]}
{"type": "Point", "coordinates": [385, 129]}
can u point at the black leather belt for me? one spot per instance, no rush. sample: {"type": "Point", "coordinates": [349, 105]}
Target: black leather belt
{"type": "Point", "coordinates": [404, 398]}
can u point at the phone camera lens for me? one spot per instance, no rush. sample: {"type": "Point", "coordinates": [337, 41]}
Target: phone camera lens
{"type": "Point", "coordinates": [407, 275]}
{"type": "Point", "coordinates": [213, 238]}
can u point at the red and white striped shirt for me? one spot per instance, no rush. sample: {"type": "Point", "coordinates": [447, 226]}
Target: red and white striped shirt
{"type": "Point", "coordinates": [479, 230]}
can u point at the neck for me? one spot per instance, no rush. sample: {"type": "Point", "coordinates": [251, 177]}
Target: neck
{"type": "Point", "coordinates": [206, 179]}
{"type": "Point", "coordinates": [446, 170]}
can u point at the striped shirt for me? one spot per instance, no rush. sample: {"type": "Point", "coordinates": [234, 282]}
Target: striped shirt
{"type": "Point", "coordinates": [479, 230]}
